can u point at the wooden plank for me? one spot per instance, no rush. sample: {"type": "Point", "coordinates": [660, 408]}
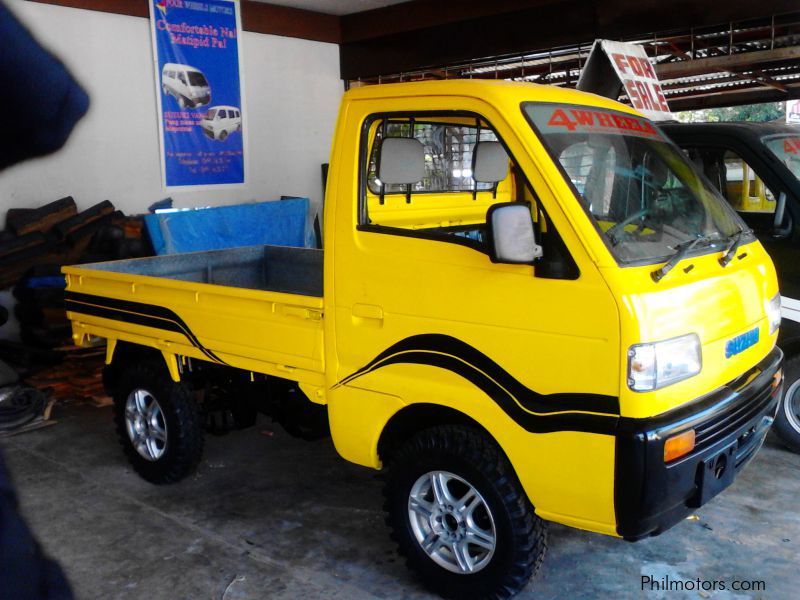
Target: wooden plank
{"type": "Point", "coordinates": [40, 219]}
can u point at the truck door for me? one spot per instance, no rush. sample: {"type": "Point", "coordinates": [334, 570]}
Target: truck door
{"type": "Point", "coordinates": [422, 313]}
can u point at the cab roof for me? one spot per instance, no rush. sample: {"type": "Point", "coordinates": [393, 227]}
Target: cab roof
{"type": "Point", "coordinates": [764, 128]}
{"type": "Point", "coordinates": [492, 90]}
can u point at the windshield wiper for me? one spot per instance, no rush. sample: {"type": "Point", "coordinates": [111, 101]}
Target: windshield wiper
{"type": "Point", "coordinates": [734, 241]}
{"type": "Point", "coordinates": [682, 250]}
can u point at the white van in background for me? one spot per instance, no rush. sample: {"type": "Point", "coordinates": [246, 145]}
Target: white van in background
{"type": "Point", "coordinates": [221, 121]}
{"type": "Point", "coordinates": [186, 84]}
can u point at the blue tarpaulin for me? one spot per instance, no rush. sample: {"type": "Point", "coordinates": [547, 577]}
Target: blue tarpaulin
{"type": "Point", "coordinates": [278, 223]}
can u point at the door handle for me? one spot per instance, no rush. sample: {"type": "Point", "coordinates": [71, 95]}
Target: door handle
{"type": "Point", "coordinates": [368, 311]}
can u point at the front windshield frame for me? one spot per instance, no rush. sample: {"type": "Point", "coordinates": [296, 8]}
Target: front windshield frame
{"type": "Point", "coordinates": [785, 135]}
{"type": "Point", "coordinates": [713, 245]}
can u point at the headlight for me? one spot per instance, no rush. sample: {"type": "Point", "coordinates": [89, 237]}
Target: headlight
{"type": "Point", "coordinates": [774, 313]}
{"type": "Point", "coordinates": [657, 365]}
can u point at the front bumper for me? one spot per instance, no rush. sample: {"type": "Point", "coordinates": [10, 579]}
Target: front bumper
{"type": "Point", "coordinates": [730, 424]}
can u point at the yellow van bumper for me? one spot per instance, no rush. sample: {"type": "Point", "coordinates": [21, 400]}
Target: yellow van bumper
{"type": "Point", "coordinates": [730, 424]}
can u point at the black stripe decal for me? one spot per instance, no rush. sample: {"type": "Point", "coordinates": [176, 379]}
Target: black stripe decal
{"type": "Point", "coordinates": [535, 412]}
{"type": "Point", "coordinates": [138, 313]}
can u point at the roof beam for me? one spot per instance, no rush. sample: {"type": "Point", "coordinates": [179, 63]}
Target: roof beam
{"type": "Point", "coordinates": [735, 97]}
{"type": "Point", "coordinates": [422, 34]}
{"type": "Point", "coordinates": [258, 17]}
{"type": "Point", "coordinates": [732, 62]}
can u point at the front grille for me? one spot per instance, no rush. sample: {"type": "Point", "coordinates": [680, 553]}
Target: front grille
{"type": "Point", "coordinates": [717, 428]}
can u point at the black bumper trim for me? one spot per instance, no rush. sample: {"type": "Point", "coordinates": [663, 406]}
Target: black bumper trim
{"type": "Point", "coordinates": [651, 496]}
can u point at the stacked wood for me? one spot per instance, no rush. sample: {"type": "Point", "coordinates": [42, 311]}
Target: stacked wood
{"type": "Point", "coordinates": [38, 242]}
{"type": "Point", "coordinates": [79, 377]}
{"type": "Point", "coordinates": [56, 234]}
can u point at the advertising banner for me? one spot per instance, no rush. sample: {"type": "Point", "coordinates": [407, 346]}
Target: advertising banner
{"type": "Point", "coordinates": [617, 66]}
{"type": "Point", "coordinates": [201, 117]}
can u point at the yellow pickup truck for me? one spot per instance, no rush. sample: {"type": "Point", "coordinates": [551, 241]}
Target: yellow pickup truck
{"type": "Point", "coordinates": [529, 307]}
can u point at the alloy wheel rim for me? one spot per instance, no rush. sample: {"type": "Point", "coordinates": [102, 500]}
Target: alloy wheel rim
{"type": "Point", "coordinates": [452, 522]}
{"type": "Point", "coordinates": [791, 405]}
{"type": "Point", "coordinates": [147, 428]}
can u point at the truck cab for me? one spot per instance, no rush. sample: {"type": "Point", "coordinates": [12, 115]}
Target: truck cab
{"type": "Point", "coordinates": [756, 166]}
{"type": "Point", "coordinates": [530, 307]}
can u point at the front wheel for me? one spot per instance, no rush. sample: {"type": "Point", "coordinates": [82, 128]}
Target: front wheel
{"type": "Point", "coordinates": [158, 422]}
{"type": "Point", "coordinates": [787, 421]}
{"type": "Point", "coordinates": [460, 517]}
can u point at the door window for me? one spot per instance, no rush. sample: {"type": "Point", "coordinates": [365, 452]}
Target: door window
{"type": "Point", "coordinates": [735, 178]}
{"type": "Point", "coordinates": [743, 188]}
{"type": "Point", "coordinates": [448, 171]}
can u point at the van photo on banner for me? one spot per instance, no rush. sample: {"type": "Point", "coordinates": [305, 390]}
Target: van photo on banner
{"type": "Point", "coordinates": [196, 55]}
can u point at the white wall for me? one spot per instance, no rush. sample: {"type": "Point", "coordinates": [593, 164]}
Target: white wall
{"type": "Point", "coordinates": [292, 91]}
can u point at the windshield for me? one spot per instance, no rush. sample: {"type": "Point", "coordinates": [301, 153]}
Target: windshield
{"type": "Point", "coordinates": [211, 114]}
{"type": "Point", "coordinates": [641, 191]}
{"type": "Point", "coordinates": [197, 79]}
{"type": "Point", "coordinates": [786, 148]}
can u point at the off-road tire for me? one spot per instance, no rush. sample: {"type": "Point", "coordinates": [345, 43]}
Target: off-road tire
{"type": "Point", "coordinates": [521, 536]}
{"type": "Point", "coordinates": [788, 431]}
{"type": "Point", "coordinates": [184, 425]}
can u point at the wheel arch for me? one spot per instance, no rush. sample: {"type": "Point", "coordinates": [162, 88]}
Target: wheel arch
{"type": "Point", "coordinates": [413, 418]}
{"type": "Point", "coordinates": [121, 351]}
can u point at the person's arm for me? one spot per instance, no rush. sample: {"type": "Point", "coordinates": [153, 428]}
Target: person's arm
{"type": "Point", "coordinates": [25, 573]}
{"type": "Point", "coordinates": [40, 100]}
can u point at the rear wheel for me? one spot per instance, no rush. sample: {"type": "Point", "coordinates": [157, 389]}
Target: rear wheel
{"type": "Point", "coordinates": [158, 422]}
{"type": "Point", "coordinates": [787, 421]}
{"type": "Point", "coordinates": [460, 517]}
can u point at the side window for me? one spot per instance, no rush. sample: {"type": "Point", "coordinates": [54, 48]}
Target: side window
{"type": "Point", "coordinates": [182, 77]}
{"type": "Point", "coordinates": [744, 189]}
{"type": "Point", "coordinates": [735, 179]}
{"type": "Point", "coordinates": [222, 114]}
{"type": "Point", "coordinates": [436, 176]}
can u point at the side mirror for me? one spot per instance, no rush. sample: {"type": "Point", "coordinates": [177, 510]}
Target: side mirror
{"type": "Point", "coordinates": [511, 235]}
{"type": "Point", "coordinates": [779, 226]}
{"type": "Point", "coordinates": [780, 211]}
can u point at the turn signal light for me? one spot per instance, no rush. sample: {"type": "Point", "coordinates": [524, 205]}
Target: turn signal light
{"type": "Point", "coordinates": [776, 379]}
{"type": "Point", "coordinates": [679, 445]}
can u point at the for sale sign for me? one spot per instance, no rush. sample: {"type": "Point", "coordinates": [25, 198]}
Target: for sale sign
{"type": "Point", "coordinates": [614, 67]}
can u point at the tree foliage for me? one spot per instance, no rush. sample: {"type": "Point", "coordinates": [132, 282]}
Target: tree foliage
{"type": "Point", "coordinates": [767, 111]}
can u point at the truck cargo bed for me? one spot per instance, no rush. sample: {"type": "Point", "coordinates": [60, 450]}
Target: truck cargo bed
{"type": "Point", "coordinates": [268, 268]}
{"type": "Point", "coordinates": [258, 308]}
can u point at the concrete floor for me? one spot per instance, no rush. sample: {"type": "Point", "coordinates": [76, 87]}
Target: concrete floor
{"type": "Point", "coordinates": [274, 517]}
